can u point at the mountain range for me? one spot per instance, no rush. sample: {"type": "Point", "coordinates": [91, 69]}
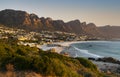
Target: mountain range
{"type": "Point", "coordinates": [31, 22]}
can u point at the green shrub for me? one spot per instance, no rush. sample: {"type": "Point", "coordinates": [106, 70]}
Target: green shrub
{"type": "Point", "coordinates": [87, 63]}
{"type": "Point", "coordinates": [47, 63]}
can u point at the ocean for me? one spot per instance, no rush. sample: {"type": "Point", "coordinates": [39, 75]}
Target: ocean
{"type": "Point", "coordinates": [95, 49]}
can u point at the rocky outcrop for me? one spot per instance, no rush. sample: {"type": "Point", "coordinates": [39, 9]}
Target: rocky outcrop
{"type": "Point", "coordinates": [109, 59]}
{"type": "Point", "coordinates": [19, 19]}
{"type": "Point", "coordinates": [105, 59]}
{"type": "Point", "coordinates": [75, 26]}
{"type": "Point", "coordinates": [12, 17]}
{"type": "Point", "coordinates": [92, 30]}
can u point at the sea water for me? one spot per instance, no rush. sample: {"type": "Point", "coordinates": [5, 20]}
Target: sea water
{"type": "Point", "coordinates": [96, 49]}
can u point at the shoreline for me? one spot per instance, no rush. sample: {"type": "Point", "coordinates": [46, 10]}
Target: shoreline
{"type": "Point", "coordinates": [69, 47]}
{"type": "Point", "coordinates": [106, 67]}
{"type": "Point", "coordinates": [58, 46]}
{"type": "Point", "coordinates": [62, 44]}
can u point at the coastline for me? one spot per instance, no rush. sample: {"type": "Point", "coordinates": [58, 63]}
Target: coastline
{"type": "Point", "coordinates": [62, 46]}
{"type": "Point", "coordinates": [105, 67]}
{"type": "Point", "coordinates": [69, 48]}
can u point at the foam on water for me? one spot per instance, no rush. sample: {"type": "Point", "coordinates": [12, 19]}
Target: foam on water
{"type": "Point", "coordinates": [98, 49]}
{"type": "Point", "coordinates": [86, 53]}
{"type": "Point", "coordinates": [89, 48]}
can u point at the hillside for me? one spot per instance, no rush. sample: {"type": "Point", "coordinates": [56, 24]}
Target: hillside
{"type": "Point", "coordinates": [111, 31]}
{"type": "Point", "coordinates": [16, 59]}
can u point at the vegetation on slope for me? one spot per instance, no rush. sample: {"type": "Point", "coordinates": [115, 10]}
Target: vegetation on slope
{"type": "Point", "coordinates": [25, 58]}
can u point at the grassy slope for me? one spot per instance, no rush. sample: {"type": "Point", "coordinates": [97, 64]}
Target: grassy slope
{"type": "Point", "coordinates": [24, 58]}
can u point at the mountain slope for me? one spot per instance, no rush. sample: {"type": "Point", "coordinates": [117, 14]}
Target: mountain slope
{"type": "Point", "coordinates": [110, 31]}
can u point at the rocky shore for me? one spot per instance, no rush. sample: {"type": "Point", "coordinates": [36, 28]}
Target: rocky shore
{"type": "Point", "coordinates": [107, 65]}
{"type": "Point", "coordinates": [106, 59]}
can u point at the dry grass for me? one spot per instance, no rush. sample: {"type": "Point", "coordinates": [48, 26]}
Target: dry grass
{"type": "Point", "coordinates": [19, 74]}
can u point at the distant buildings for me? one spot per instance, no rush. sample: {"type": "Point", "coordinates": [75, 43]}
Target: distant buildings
{"type": "Point", "coordinates": [41, 37]}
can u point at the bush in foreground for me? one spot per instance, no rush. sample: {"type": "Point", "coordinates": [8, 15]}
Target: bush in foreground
{"type": "Point", "coordinates": [25, 58]}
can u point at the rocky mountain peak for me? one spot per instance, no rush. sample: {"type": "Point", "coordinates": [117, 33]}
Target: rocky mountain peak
{"type": "Point", "coordinates": [34, 16]}
{"type": "Point", "coordinates": [13, 17]}
{"type": "Point", "coordinates": [91, 24]}
{"type": "Point", "coordinates": [75, 21]}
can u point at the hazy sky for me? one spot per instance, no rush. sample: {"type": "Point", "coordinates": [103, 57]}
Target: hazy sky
{"type": "Point", "coordinates": [100, 12]}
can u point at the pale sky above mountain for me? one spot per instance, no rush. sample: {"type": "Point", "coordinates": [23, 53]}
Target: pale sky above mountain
{"type": "Point", "coordinates": [100, 12]}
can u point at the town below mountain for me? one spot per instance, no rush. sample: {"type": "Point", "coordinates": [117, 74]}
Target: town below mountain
{"type": "Point", "coordinates": [31, 22]}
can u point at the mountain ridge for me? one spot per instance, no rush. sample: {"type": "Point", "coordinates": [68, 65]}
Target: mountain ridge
{"type": "Point", "coordinates": [24, 20]}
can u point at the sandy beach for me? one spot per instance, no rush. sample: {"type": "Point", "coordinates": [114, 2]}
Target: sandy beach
{"type": "Point", "coordinates": [62, 46]}
{"type": "Point", "coordinates": [57, 49]}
